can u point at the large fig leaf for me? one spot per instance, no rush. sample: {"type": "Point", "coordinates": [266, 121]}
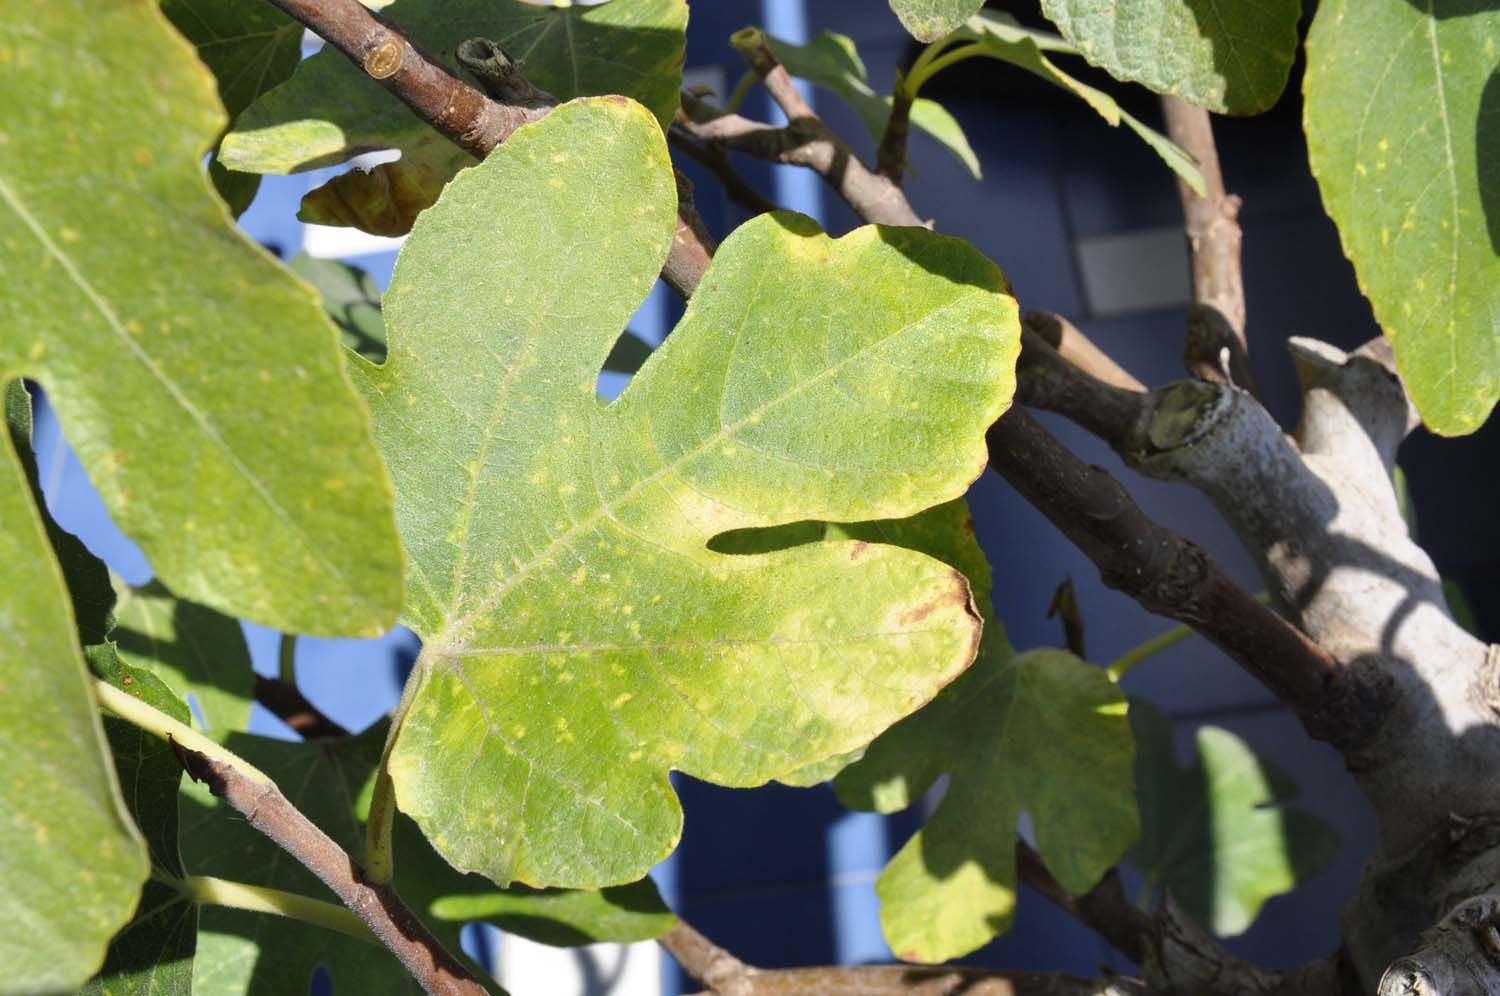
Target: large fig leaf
{"type": "Point", "coordinates": [580, 639]}
{"type": "Point", "coordinates": [1402, 136]}
{"type": "Point", "coordinates": [1229, 57]}
{"type": "Point", "coordinates": [1040, 732]}
{"type": "Point", "coordinates": [154, 952]}
{"type": "Point", "coordinates": [1220, 835]}
{"type": "Point", "coordinates": [200, 385]}
{"type": "Point", "coordinates": [929, 20]}
{"type": "Point", "coordinates": [73, 861]}
{"type": "Point", "coordinates": [330, 110]}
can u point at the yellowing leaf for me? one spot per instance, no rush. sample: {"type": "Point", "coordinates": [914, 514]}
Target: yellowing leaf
{"type": "Point", "coordinates": [1400, 126]}
{"type": "Point", "coordinates": [581, 639]}
{"type": "Point", "coordinates": [200, 385]}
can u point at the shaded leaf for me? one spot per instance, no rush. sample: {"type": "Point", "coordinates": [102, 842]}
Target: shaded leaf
{"type": "Point", "coordinates": [1229, 57]}
{"type": "Point", "coordinates": [1023, 47]}
{"type": "Point", "coordinates": [1400, 115]}
{"type": "Point", "coordinates": [197, 651]}
{"type": "Point", "coordinates": [87, 579]}
{"type": "Point", "coordinates": [1040, 732]}
{"type": "Point", "coordinates": [251, 954]}
{"type": "Point", "coordinates": [929, 20]}
{"type": "Point", "coordinates": [73, 860]}
{"type": "Point", "coordinates": [330, 110]}
{"type": "Point", "coordinates": [351, 298]}
{"type": "Point", "coordinates": [563, 917]}
{"type": "Point", "coordinates": [154, 952]}
{"type": "Point", "coordinates": [385, 200]}
{"type": "Point", "coordinates": [199, 385]}
{"type": "Point", "coordinates": [560, 576]}
{"type": "Point", "coordinates": [831, 61]}
{"type": "Point", "coordinates": [1219, 835]}
{"type": "Point", "coordinates": [250, 47]}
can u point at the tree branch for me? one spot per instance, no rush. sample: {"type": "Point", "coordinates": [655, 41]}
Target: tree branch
{"type": "Point", "coordinates": [1170, 575]}
{"type": "Point", "coordinates": [267, 810]}
{"type": "Point", "coordinates": [288, 704]}
{"type": "Point", "coordinates": [475, 122]}
{"type": "Point", "coordinates": [726, 975]}
{"type": "Point", "coordinates": [1216, 346]}
{"type": "Point", "coordinates": [805, 141]}
{"type": "Point", "coordinates": [711, 156]}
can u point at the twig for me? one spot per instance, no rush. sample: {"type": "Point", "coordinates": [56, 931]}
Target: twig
{"type": "Point", "coordinates": [1064, 604]}
{"type": "Point", "coordinates": [267, 810]}
{"type": "Point", "coordinates": [803, 142]}
{"type": "Point", "coordinates": [288, 704]}
{"type": "Point", "coordinates": [890, 155]}
{"type": "Point", "coordinates": [1079, 350]}
{"type": "Point", "coordinates": [726, 975]}
{"type": "Point", "coordinates": [475, 122]}
{"type": "Point", "coordinates": [711, 155]}
{"type": "Point", "coordinates": [1216, 345]}
{"type": "Point", "coordinates": [755, 49]}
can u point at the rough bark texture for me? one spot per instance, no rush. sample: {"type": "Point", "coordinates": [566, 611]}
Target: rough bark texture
{"type": "Point", "coordinates": [1319, 512]}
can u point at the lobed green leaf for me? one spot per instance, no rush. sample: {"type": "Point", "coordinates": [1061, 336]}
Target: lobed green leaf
{"type": "Point", "coordinates": [580, 638]}
{"type": "Point", "coordinates": [1219, 835]}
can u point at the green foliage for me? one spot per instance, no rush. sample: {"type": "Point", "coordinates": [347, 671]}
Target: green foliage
{"type": "Point", "coordinates": [1219, 835]}
{"type": "Point", "coordinates": [352, 300]}
{"type": "Point", "coordinates": [1398, 111]}
{"type": "Point", "coordinates": [1001, 38]}
{"type": "Point", "coordinates": [329, 110]}
{"type": "Point", "coordinates": [580, 638]}
{"type": "Point", "coordinates": [1040, 732]}
{"type": "Point", "coordinates": [1229, 57]}
{"type": "Point", "coordinates": [929, 20]}
{"type": "Point", "coordinates": [73, 860]}
{"type": "Point", "coordinates": [154, 952]}
{"type": "Point", "coordinates": [212, 413]}
{"type": "Point", "coordinates": [831, 61]}
{"type": "Point", "coordinates": [249, 46]}
{"type": "Point", "coordinates": [252, 954]}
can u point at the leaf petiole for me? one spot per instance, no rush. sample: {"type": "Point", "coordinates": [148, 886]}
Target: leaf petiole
{"type": "Point", "coordinates": [208, 891]}
{"type": "Point", "coordinates": [286, 659]}
{"type": "Point", "coordinates": [159, 724]}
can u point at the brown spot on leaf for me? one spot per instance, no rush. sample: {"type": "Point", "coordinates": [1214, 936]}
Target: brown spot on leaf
{"type": "Point", "coordinates": [858, 549]}
{"type": "Point", "coordinates": [956, 594]}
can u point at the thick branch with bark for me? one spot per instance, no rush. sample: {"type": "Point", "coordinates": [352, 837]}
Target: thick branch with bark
{"type": "Point", "coordinates": [267, 810]}
{"type": "Point", "coordinates": [288, 704]}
